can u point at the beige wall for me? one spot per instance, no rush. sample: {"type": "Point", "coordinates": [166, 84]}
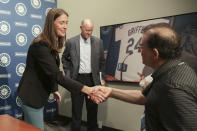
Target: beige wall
{"type": "Point", "coordinates": [107, 12]}
{"type": "Point", "coordinates": [114, 113]}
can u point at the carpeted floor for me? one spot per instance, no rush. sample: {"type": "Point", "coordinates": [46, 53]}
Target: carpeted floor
{"type": "Point", "coordinates": [61, 123]}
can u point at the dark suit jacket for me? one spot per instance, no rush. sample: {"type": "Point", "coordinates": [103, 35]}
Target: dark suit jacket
{"type": "Point", "coordinates": [42, 75]}
{"type": "Point", "coordinates": [71, 58]}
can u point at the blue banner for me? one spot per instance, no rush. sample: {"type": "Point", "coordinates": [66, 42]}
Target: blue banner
{"type": "Point", "coordinates": [20, 22]}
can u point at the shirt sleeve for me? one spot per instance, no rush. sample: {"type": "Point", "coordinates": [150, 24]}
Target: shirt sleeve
{"type": "Point", "coordinates": [146, 90]}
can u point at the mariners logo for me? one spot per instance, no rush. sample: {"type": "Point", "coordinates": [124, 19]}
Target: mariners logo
{"type": "Point", "coordinates": [5, 92]}
{"type": "Point", "coordinates": [36, 30]}
{"type": "Point", "coordinates": [4, 28]}
{"type": "Point", "coordinates": [4, 59]}
{"type": "Point", "coordinates": [18, 101]}
{"type": "Point", "coordinates": [51, 98]}
{"type": "Point", "coordinates": [36, 3]}
{"type": "Point", "coordinates": [47, 10]}
{"type": "Point", "coordinates": [21, 39]}
{"type": "Point", "coordinates": [4, 1]}
{"type": "Point", "coordinates": [20, 9]}
{"type": "Point", "coordinates": [20, 68]}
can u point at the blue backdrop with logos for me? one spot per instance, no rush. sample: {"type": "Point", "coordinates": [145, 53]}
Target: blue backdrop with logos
{"type": "Point", "coordinates": [20, 22]}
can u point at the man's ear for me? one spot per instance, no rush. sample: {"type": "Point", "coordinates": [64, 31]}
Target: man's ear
{"type": "Point", "coordinates": [156, 53]}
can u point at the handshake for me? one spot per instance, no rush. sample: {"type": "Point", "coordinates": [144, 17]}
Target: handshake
{"type": "Point", "coordinates": [99, 93]}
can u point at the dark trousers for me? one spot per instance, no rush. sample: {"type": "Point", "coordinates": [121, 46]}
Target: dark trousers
{"type": "Point", "coordinates": [77, 106]}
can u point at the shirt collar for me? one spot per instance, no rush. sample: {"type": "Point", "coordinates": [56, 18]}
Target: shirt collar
{"type": "Point", "coordinates": [85, 41]}
{"type": "Point", "coordinates": [166, 66]}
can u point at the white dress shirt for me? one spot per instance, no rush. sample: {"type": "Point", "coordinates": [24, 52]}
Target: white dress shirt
{"type": "Point", "coordinates": [85, 56]}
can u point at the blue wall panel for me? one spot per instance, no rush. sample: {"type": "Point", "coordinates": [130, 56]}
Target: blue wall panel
{"type": "Point", "coordinates": [20, 22]}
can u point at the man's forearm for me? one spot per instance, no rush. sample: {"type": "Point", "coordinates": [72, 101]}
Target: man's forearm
{"type": "Point", "coordinates": [131, 96]}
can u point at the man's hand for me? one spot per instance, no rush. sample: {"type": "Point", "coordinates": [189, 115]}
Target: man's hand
{"type": "Point", "coordinates": [57, 96]}
{"type": "Point", "coordinates": [100, 94]}
{"type": "Point", "coordinates": [103, 82]}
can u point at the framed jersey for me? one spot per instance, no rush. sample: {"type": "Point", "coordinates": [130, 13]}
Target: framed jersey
{"type": "Point", "coordinates": [123, 61]}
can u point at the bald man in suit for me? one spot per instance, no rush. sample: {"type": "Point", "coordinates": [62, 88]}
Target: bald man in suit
{"type": "Point", "coordinates": [83, 60]}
